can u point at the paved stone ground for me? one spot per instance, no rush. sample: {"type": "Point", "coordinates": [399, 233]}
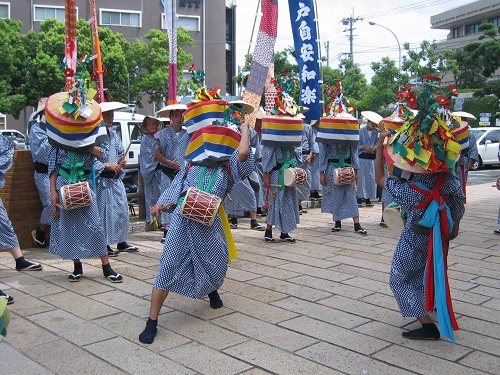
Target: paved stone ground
{"type": "Point", "coordinates": [320, 306]}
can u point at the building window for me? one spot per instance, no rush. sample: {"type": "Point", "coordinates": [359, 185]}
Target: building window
{"type": "Point", "coordinates": [111, 17]}
{"type": "Point", "coordinates": [4, 10]}
{"type": "Point", "coordinates": [190, 23]}
{"type": "Point", "coordinates": [43, 13]}
{"type": "Point", "coordinates": [495, 21]}
{"type": "Point", "coordinates": [472, 28]}
{"type": "Point", "coordinates": [455, 32]}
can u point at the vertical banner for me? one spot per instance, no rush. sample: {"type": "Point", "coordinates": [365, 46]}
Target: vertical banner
{"type": "Point", "coordinates": [263, 55]}
{"type": "Point", "coordinates": [170, 11]}
{"type": "Point", "coordinates": [305, 39]}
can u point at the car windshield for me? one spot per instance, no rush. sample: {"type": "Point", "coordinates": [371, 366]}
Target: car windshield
{"type": "Point", "coordinates": [478, 132]}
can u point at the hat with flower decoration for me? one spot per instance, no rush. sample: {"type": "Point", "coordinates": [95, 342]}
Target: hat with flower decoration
{"type": "Point", "coordinates": [425, 142]}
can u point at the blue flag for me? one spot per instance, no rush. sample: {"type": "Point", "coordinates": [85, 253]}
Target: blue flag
{"type": "Point", "coordinates": [305, 39]}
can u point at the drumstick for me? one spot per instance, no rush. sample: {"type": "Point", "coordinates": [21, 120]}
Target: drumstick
{"type": "Point", "coordinates": [126, 151]}
{"type": "Point", "coordinates": [229, 197]}
{"type": "Point", "coordinates": [275, 185]}
{"type": "Point", "coordinates": [163, 208]}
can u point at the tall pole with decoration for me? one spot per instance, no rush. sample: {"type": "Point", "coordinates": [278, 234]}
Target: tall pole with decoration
{"type": "Point", "coordinates": [171, 26]}
{"type": "Point", "coordinates": [96, 50]}
{"type": "Point", "coordinates": [263, 55]}
{"type": "Point", "coordinates": [70, 45]}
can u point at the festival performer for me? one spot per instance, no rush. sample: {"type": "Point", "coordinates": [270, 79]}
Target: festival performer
{"type": "Point", "coordinates": [173, 141]}
{"type": "Point", "coordinates": [148, 164]}
{"type": "Point", "coordinates": [433, 202]}
{"type": "Point", "coordinates": [309, 149]}
{"type": "Point", "coordinates": [243, 196]}
{"type": "Point", "coordinates": [315, 185]}
{"type": "Point", "coordinates": [281, 137]}
{"type": "Point", "coordinates": [368, 139]}
{"type": "Point", "coordinates": [195, 255]}
{"type": "Point", "coordinates": [336, 155]}
{"type": "Point", "coordinates": [76, 233]}
{"type": "Point", "coordinates": [111, 194]}
{"type": "Point", "coordinates": [8, 238]}
{"type": "Point", "coordinates": [39, 146]}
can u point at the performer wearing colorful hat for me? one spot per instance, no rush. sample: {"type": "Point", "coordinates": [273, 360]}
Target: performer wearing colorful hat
{"type": "Point", "coordinates": [8, 238]}
{"type": "Point", "coordinates": [111, 194]}
{"type": "Point", "coordinates": [338, 137]}
{"type": "Point", "coordinates": [281, 137]}
{"type": "Point", "coordinates": [173, 141]}
{"type": "Point", "coordinates": [199, 243]}
{"type": "Point", "coordinates": [78, 136]}
{"type": "Point", "coordinates": [433, 201]}
{"type": "Point", "coordinates": [39, 147]}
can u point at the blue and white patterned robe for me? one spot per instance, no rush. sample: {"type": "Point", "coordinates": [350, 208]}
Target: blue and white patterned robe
{"type": "Point", "coordinates": [339, 200]}
{"type": "Point", "coordinates": [367, 187]}
{"type": "Point", "coordinates": [173, 147]}
{"type": "Point", "coordinates": [283, 211]}
{"type": "Point", "coordinates": [257, 151]}
{"type": "Point", "coordinates": [309, 145]}
{"type": "Point", "coordinates": [77, 233]}
{"type": "Point", "coordinates": [39, 146]}
{"type": "Point", "coordinates": [8, 238]}
{"type": "Point", "coordinates": [111, 195]}
{"type": "Point", "coordinates": [151, 176]}
{"type": "Point", "coordinates": [410, 256]}
{"type": "Point", "coordinates": [194, 259]}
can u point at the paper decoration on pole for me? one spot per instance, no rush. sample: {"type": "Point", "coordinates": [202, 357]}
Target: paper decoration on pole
{"type": "Point", "coordinates": [170, 11]}
{"type": "Point", "coordinates": [96, 50]}
{"type": "Point", "coordinates": [70, 45]}
{"type": "Point", "coordinates": [305, 38]}
{"type": "Point", "coordinates": [263, 55]}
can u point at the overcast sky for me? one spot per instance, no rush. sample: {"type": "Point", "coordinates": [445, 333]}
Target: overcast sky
{"type": "Point", "coordinates": [408, 20]}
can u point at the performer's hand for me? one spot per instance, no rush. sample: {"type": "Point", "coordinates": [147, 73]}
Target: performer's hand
{"type": "Point", "coordinates": [122, 161]}
{"type": "Point", "coordinates": [174, 165]}
{"type": "Point", "coordinates": [156, 210]}
{"type": "Point", "coordinates": [244, 125]}
{"type": "Point", "coordinates": [356, 175]}
{"type": "Point", "coordinates": [454, 232]}
{"type": "Point", "coordinates": [266, 180]}
{"type": "Point", "coordinates": [54, 199]}
{"type": "Point", "coordinates": [322, 179]}
{"type": "Point", "coordinates": [116, 168]}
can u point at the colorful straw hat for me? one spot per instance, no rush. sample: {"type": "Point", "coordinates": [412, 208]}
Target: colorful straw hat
{"type": "Point", "coordinates": [211, 144]}
{"type": "Point", "coordinates": [71, 126]}
{"type": "Point", "coordinates": [372, 116]}
{"type": "Point", "coordinates": [111, 106]}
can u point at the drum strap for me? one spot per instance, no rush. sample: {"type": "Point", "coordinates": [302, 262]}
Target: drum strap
{"type": "Point", "coordinates": [231, 246]}
{"type": "Point", "coordinates": [75, 171]}
{"type": "Point", "coordinates": [342, 161]}
{"type": "Point", "coordinates": [437, 217]}
{"type": "Point", "coordinates": [292, 163]}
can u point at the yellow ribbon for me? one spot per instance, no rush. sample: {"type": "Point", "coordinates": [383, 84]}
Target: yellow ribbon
{"type": "Point", "coordinates": [231, 247]}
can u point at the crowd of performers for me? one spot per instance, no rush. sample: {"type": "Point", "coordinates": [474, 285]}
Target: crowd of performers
{"type": "Point", "coordinates": [195, 256]}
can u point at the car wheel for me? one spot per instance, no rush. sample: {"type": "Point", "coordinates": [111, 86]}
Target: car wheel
{"type": "Point", "coordinates": [475, 166]}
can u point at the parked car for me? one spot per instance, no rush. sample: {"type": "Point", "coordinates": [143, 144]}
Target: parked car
{"type": "Point", "coordinates": [487, 140]}
{"type": "Point", "coordinates": [15, 136]}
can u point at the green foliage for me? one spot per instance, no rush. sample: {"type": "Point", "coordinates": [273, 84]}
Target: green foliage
{"type": "Point", "coordinates": [12, 67]}
{"type": "Point", "coordinates": [476, 106]}
{"type": "Point", "coordinates": [486, 53]}
{"type": "Point", "coordinates": [30, 64]}
{"type": "Point", "coordinates": [424, 61]}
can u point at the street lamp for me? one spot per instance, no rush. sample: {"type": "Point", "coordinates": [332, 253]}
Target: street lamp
{"type": "Point", "coordinates": [397, 40]}
{"type": "Point", "coordinates": [136, 72]}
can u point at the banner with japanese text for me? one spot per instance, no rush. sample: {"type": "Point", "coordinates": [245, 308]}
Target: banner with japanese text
{"type": "Point", "coordinates": [306, 49]}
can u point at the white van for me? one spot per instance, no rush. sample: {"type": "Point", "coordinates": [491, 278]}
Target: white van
{"type": "Point", "coordinates": [127, 125]}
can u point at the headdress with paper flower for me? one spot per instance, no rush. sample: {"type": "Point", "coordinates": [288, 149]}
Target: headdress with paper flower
{"type": "Point", "coordinates": [425, 142]}
{"type": "Point", "coordinates": [337, 101]}
{"type": "Point", "coordinates": [73, 118]}
{"type": "Point", "coordinates": [397, 118]}
{"type": "Point", "coordinates": [284, 103]}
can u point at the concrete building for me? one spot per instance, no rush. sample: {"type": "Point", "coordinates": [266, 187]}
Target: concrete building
{"type": "Point", "coordinates": [463, 23]}
{"type": "Point", "coordinates": [211, 24]}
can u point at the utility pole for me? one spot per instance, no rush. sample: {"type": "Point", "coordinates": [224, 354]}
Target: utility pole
{"type": "Point", "coordinates": [349, 22]}
{"type": "Point", "coordinates": [327, 47]}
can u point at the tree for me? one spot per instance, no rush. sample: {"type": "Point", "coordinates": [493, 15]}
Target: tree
{"type": "Point", "coordinates": [424, 61]}
{"type": "Point", "coordinates": [12, 67]}
{"type": "Point", "coordinates": [153, 60]}
{"type": "Point", "coordinates": [353, 81]}
{"type": "Point", "coordinates": [488, 53]}
{"type": "Point", "coordinates": [466, 69]}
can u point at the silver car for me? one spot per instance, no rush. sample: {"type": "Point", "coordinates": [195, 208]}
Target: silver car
{"type": "Point", "coordinates": [487, 140]}
{"type": "Point", "coordinates": [15, 136]}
